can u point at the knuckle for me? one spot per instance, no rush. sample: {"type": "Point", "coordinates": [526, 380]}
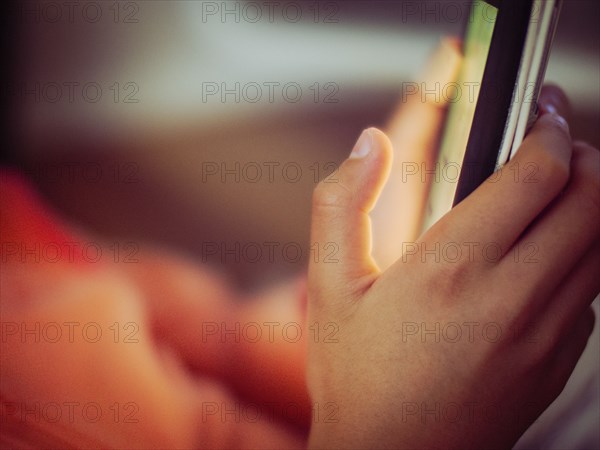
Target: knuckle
{"type": "Point", "coordinates": [331, 195]}
{"type": "Point", "coordinates": [449, 282]}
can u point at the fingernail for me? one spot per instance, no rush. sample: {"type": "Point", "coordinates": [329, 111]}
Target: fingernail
{"type": "Point", "coordinates": [363, 145]}
{"type": "Point", "coordinates": [548, 108]}
{"type": "Point", "coordinates": [560, 119]}
{"type": "Point", "coordinates": [551, 109]}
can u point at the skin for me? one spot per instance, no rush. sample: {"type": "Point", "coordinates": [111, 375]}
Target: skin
{"type": "Point", "coordinates": [171, 373]}
{"type": "Point", "coordinates": [161, 373]}
{"type": "Point", "coordinates": [384, 374]}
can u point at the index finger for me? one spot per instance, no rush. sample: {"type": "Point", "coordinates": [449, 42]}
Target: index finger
{"type": "Point", "coordinates": [504, 205]}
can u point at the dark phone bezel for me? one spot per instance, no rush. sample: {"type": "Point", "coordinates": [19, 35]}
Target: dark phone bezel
{"type": "Point", "coordinates": [495, 95]}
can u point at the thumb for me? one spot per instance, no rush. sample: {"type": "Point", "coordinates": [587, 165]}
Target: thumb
{"type": "Point", "coordinates": [341, 228]}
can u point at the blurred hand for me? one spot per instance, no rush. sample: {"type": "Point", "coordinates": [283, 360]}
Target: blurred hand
{"type": "Point", "coordinates": [466, 339]}
{"type": "Point", "coordinates": [414, 131]}
{"type": "Point", "coordinates": [150, 354]}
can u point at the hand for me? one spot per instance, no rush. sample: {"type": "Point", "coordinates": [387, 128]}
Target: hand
{"type": "Point", "coordinates": [136, 367]}
{"type": "Point", "coordinates": [456, 348]}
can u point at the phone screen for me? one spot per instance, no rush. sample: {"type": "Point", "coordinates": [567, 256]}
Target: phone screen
{"type": "Point", "coordinates": [463, 101]}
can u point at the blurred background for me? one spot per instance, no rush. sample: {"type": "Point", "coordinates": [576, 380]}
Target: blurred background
{"type": "Point", "coordinates": [204, 126]}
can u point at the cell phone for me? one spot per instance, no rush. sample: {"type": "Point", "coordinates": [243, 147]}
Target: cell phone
{"type": "Point", "coordinates": [506, 47]}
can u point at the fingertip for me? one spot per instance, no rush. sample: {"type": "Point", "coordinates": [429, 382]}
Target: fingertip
{"type": "Point", "coordinates": [383, 154]}
{"type": "Point", "coordinates": [382, 143]}
{"type": "Point", "coordinates": [442, 66]}
{"type": "Point", "coordinates": [374, 147]}
{"type": "Point", "coordinates": [363, 146]}
{"type": "Point", "coordinates": [378, 134]}
{"type": "Point", "coordinates": [554, 100]}
{"type": "Point", "coordinates": [555, 122]}
{"type": "Point", "coordinates": [453, 42]}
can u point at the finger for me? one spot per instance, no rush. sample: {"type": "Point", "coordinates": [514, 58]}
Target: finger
{"type": "Point", "coordinates": [71, 366]}
{"type": "Point", "coordinates": [414, 132]}
{"type": "Point", "coordinates": [341, 227]}
{"type": "Point", "coordinates": [574, 294]}
{"type": "Point", "coordinates": [143, 394]}
{"type": "Point", "coordinates": [553, 100]}
{"type": "Point", "coordinates": [241, 343]}
{"type": "Point", "coordinates": [571, 348]}
{"type": "Point", "coordinates": [501, 208]}
{"type": "Point", "coordinates": [163, 408]}
{"type": "Point", "coordinates": [422, 107]}
{"type": "Point", "coordinates": [567, 230]}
